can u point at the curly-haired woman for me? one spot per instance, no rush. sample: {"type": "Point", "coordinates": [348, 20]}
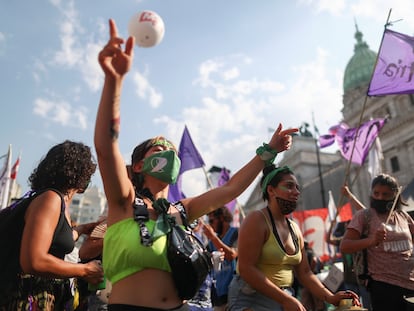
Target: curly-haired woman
{"type": "Point", "coordinates": [47, 236]}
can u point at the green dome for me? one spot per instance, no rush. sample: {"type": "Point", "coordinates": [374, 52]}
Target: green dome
{"type": "Point", "coordinates": [360, 66]}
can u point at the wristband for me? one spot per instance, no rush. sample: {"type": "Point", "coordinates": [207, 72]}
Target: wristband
{"type": "Point", "coordinates": [267, 154]}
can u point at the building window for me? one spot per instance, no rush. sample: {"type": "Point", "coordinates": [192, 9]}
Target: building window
{"type": "Point", "coordinates": [395, 166]}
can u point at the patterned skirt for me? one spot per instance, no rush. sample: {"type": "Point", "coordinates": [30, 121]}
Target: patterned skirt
{"type": "Point", "coordinates": [30, 293]}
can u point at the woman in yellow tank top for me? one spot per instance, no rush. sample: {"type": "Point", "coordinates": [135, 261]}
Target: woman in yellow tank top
{"type": "Point", "coordinates": [271, 249]}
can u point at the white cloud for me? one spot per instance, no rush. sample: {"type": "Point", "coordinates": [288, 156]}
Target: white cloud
{"type": "Point", "coordinates": [334, 7]}
{"type": "Point", "coordinates": [230, 74]}
{"type": "Point", "coordinates": [61, 112]}
{"type": "Point", "coordinates": [206, 69]}
{"type": "Point", "coordinates": [146, 91]}
{"type": "Point", "coordinates": [78, 51]}
{"type": "Point", "coordinates": [42, 107]}
{"type": "Point", "coordinates": [228, 125]}
{"type": "Point", "coordinates": [39, 70]}
{"type": "Point", "coordinates": [90, 68]}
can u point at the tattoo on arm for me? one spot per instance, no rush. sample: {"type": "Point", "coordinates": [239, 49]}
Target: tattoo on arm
{"type": "Point", "coordinates": [114, 130]}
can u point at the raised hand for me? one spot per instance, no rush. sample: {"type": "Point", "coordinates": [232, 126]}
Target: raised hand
{"type": "Point", "coordinates": [114, 61]}
{"type": "Point", "coordinates": [282, 139]}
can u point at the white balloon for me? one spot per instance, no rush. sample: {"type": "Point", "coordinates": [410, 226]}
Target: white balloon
{"type": "Point", "coordinates": [147, 27]}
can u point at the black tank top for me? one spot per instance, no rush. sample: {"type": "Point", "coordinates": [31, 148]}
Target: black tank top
{"type": "Point", "coordinates": [62, 242]}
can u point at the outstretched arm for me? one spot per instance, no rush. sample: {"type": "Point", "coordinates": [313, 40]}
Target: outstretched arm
{"type": "Point", "coordinates": [357, 204]}
{"type": "Point", "coordinates": [211, 200]}
{"type": "Point", "coordinates": [115, 63]}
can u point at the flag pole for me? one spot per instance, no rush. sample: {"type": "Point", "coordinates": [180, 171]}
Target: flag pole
{"type": "Point", "coordinates": [210, 184]}
{"type": "Point", "coordinates": [5, 180]}
{"type": "Point", "coordinates": [318, 158]}
{"type": "Point", "coordinates": [347, 171]}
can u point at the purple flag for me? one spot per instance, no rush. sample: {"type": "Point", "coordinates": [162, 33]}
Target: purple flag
{"type": "Point", "coordinates": [224, 178]}
{"type": "Point", "coordinates": [328, 139]}
{"type": "Point", "coordinates": [188, 153]}
{"type": "Point", "coordinates": [394, 71]}
{"type": "Point", "coordinates": [347, 137]}
{"type": "Point", "coordinates": [175, 193]}
{"type": "Point", "coordinates": [190, 159]}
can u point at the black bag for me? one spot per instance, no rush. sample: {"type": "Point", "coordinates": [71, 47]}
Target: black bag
{"type": "Point", "coordinates": [11, 231]}
{"type": "Point", "coordinates": [189, 260]}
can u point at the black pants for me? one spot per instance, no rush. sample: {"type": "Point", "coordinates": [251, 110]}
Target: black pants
{"type": "Point", "coordinates": [386, 297]}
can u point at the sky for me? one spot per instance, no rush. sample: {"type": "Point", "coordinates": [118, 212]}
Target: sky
{"type": "Point", "coordinates": [229, 70]}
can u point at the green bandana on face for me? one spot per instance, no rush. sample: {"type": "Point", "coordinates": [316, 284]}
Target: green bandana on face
{"type": "Point", "coordinates": [163, 165]}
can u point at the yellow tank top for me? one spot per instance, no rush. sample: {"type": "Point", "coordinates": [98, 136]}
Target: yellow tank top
{"type": "Point", "coordinates": [273, 260]}
{"type": "Point", "coordinates": [124, 255]}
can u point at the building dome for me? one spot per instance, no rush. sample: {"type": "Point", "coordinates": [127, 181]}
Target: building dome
{"type": "Point", "coordinates": [359, 69]}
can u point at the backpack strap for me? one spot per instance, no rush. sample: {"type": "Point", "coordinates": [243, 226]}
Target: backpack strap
{"type": "Point", "coordinates": [183, 214]}
{"type": "Point", "coordinates": [141, 216]}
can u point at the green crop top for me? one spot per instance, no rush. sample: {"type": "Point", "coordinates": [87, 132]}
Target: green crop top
{"type": "Point", "coordinates": [275, 263]}
{"type": "Point", "coordinates": [124, 255]}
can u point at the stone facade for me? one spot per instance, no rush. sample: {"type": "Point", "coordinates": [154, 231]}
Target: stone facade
{"type": "Point", "coordinates": [396, 137]}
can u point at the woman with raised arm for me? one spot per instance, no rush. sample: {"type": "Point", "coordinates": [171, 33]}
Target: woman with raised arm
{"type": "Point", "coordinates": [140, 274]}
{"type": "Point", "coordinates": [271, 249]}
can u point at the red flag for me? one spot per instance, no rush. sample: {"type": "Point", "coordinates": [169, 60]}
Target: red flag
{"type": "Point", "coordinates": [15, 169]}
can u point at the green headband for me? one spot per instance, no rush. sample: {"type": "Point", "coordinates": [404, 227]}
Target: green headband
{"type": "Point", "coordinates": [272, 174]}
{"type": "Point", "coordinates": [162, 142]}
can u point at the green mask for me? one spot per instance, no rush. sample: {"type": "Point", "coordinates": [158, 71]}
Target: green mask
{"type": "Point", "coordinates": [163, 165]}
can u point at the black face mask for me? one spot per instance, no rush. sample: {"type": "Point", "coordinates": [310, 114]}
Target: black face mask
{"type": "Point", "coordinates": [381, 206]}
{"type": "Point", "coordinates": [286, 207]}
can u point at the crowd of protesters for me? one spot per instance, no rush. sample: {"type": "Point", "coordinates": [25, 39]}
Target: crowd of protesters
{"type": "Point", "coordinates": [259, 262]}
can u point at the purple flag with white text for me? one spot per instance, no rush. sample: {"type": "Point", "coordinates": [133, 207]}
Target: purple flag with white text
{"type": "Point", "coordinates": [394, 71]}
{"type": "Point", "coordinates": [362, 138]}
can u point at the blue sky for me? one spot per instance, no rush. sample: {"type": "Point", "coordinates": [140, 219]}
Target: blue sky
{"type": "Point", "coordinates": [229, 70]}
